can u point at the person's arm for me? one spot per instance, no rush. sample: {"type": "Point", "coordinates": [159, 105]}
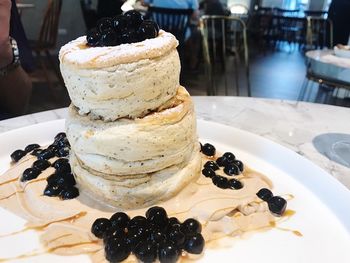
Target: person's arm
{"type": "Point", "coordinates": [15, 85]}
{"type": "Point", "coordinates": [195, 7]}
{"type": "Point", "coordinates": [5, 47]}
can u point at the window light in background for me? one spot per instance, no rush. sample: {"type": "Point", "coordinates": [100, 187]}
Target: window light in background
{"type": "Point", "coordinates": [238, 7]}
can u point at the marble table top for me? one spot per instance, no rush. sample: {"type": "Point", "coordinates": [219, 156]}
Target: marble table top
{"type": "Point", "coordinates": [306, 128]}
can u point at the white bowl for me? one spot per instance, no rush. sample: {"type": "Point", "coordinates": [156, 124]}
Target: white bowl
{"type": "Point", "coordinates": [343, 52]}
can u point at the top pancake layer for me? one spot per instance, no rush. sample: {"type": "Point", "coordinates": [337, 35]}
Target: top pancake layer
{"type": "Point", "coordinates": [76, 53]}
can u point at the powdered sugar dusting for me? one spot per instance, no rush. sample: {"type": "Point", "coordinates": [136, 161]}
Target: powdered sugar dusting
{"type": "Point", "coordinates": [78, 54]}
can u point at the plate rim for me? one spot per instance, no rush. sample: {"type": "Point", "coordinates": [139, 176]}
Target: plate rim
{"type": "Point", "coordinates": [55, 124]}
{"type": "Point", "coordinates": [342, 192]}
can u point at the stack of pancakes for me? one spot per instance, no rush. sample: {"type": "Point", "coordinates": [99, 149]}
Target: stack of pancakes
{"type": "Point", "coordinates": [131, 126]}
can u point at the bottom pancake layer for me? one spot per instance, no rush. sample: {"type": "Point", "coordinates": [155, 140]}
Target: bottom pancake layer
{"type": "Point", "coordinates": [134, 193]}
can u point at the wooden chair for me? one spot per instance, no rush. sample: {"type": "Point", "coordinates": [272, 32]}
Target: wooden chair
{"type": "Point", "coordinates": [261, 27]}
{"type": "Point", "coordinates": [289, 25]}
{"type": "Point", "coordinates": [224, 36]}
{"type": "Point", "coordinates": [48, 38]}
{"type": "Point", "coordinates": [175, 21]}
{"type": "Point", "coordinates": [319, 33]}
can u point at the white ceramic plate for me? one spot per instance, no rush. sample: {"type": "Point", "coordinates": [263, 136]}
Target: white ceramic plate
{"type": "Point", "coordinates": [321, 203]}
{"type": "Point", "coordinates": [344, 53]}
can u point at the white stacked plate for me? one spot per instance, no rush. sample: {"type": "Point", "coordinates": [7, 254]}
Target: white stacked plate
{"type": "Point", "coordinates": [321, 203]}
{"type": "Point", "coordinates": [342, 51]}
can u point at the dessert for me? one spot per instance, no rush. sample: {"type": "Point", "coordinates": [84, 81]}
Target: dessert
{"type": "Point", "coordinates": [116, 160]}
{"type": "Point", "coordinates": [219, 210]}
{"type": "Point", "coordinates": [121, 81]}
{"type": "Point", "coordinates": [131, 144]}
{"type": "Point", "coordinates": [141, 149]}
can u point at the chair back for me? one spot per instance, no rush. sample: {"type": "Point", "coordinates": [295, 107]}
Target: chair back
{"type": "Point", "coordinates": [175, 21]}
{"type": "Point", "coordinates": [319, 32]}
{"type": "Point", "coordinates": [289, 25]}
{"type": "Point", "coordinates": [223, 35]}
{"type": "Point", "coordinates": [286, 12]}
{"type": "Point", "coordinates": [264, 10]}
{"type": "Point", "coordinates": [314, 13]}
{"type": "Point", "coordinates": [49, 27]}
{"type": "Point", "coordinates": [261, 21]}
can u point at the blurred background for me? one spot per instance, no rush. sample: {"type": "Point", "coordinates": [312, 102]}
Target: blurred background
{"type": "Point", "coordinates": [281, 49]}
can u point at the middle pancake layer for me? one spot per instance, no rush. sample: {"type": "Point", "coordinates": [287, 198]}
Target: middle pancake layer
{"type": "Point", "coordinates": [143, 145]}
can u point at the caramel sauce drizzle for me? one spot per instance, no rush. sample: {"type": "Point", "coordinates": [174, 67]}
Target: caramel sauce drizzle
{"type": "Point", "coordinates": [42, 227]}
{"type": "Point", "coordinates": [295, 232]}
{"type": "Point", "coordinates": [72, 245]}
{"type": "Point", "coordinates": [204, 184]}
{"type": "Point", "coordinates": [9, 181]}
{"type": "Point", "coordinates": [14, 165]}
{"type": "Point", "coordinates": [287, 214]}
{"type": "Point", "coordinates": [203, 201]}
{"type": "Point", "coordinates": [14, 180]}
{"type": "Point", "coordinates": [231, 208]}
{"type": "Point", "coordinates": [32, 182]}
{"type": "Point", "coordinates": [58, 238]}
{"type": "Point", "coordinates": [9, 196]}
{"type": "Point", "coordinates": [50, 250]}
{"type": "Point", "coordinates": [24, 188]}
{"type": "Point", "coordinates": [231, 211]}
{"type": "Point", "coordinates": [71, 219]}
